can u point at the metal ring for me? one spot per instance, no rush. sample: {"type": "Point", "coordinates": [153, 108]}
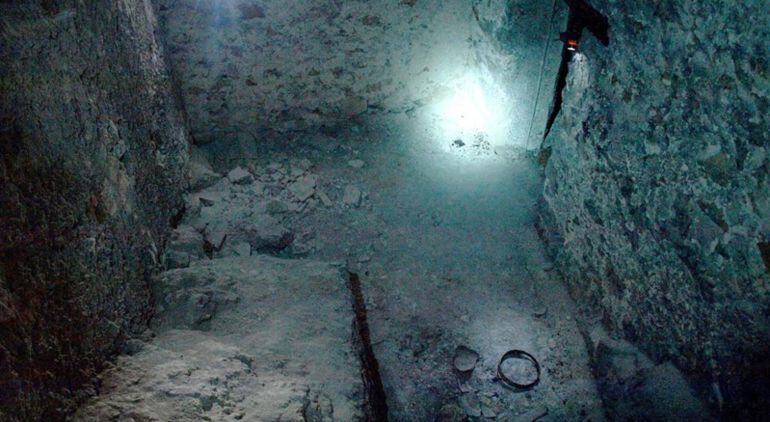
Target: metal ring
{"type": "Point", "coordinates": [517, 354]}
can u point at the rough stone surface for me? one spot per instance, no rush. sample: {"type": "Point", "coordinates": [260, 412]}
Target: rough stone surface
{"type": "Point", "coordinates": [186, 245]}
{"type": "Point", "coordinates": [93, 157]}
{"type": "Point", "coordinates": [635, 388]}
{"type": "Point", "coordinates": [229, 215]}
{"type": "Point", "coordinates": [202, 175]}
{"type": "Point", "coordinates": [352, 196]}
{"type": "Point", "coordinates": [255, 338]}
{"type": "Point", "coordinates": [465, 359]}
{"type": "Point", "coordinates": [250, 69]}
{"type": "Point", "coordinates": [240, 176]}
{"type": "Point", "coordinates": [657, 192]}
{"type": "Point", "coordinates": [356, 164]}
{"type": "Point", "coordinates": [304, 187]}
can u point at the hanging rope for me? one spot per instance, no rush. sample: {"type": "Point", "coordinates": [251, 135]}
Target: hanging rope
{"type": "Point", "coordinates": [542, 71]}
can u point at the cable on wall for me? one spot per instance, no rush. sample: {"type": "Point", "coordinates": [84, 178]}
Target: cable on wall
{"type": "Point", "coordinates": [542, 71]}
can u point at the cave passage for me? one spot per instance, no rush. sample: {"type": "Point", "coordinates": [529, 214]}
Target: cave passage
{"type": "Point", "coordinates": [270, 210]}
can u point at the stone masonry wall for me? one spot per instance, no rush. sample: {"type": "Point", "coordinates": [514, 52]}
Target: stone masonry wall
{"type": "Point", "coordinates": [93, 157]}
{"type": "Point", "coordinates": [657, 194]}
{"type": "Point", "coordinates": [249, 69]}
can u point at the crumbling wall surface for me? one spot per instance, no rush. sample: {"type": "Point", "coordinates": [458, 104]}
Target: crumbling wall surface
{"type": "Point", "coordinates": [247, 66]}
{"type": "Point", "coordinates": [657, 192]}
{"type": "Point", "coordinates": [253, 70]}
{"type": "Point", "coordinates": [520, 47]}
{"type": "Point", "coordinates": [93, 156]}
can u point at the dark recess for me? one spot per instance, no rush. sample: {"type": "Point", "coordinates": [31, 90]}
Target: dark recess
{"type": "Point", "coordinates": [764, 249]}
{"type": "Point", "coordinates": [581, 16]}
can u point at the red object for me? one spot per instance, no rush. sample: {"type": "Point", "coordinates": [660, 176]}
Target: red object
{"type": "Point", "coordinates": [572, 44]}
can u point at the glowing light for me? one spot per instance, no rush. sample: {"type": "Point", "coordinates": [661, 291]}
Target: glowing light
{"type": "Point", "coordinates": [473, 109]}
{"type": "Point", "coordinates": [468, 108]}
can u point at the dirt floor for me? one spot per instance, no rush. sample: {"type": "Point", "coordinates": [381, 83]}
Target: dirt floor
{"type": "Point", "coordinates": [442, 236]}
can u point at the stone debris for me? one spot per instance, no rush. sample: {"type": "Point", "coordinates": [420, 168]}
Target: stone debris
{"type": "Point", "coordinates": [277, 207]}
{"type": "Point", "coordinates": [186, 245]}
{"type": "Point", "coordinates": [489, 407]}
{"type": "Point", "coordinates": [356, 164]}
{"type": "Point", "coordinates": [201, 173]}
{"type": "Point", "coordinates": [265, 234]}
{"type": "Point", "coordinates": [325, 200]}
{"type": "Point", "coordinates": [538, 413]}
{"type": "Point", "coordinates": [215, 238]}
{"type": "Point", "coordinates": [255, 189]}
{"type": "Point", "coordinates": [234, 249]}
{"type": "Point", "coordinates": [470, 405]}
{"type": "Point", "coordinates": [240, 176]}
{"type": "Point", "coordinates": [540, 311]}
{"type": "Point", "coordinates": [450, 412]}
{"type": "Point", "coordinates": [304, 187]}
{"type": "Point", "coordinates": [277, 213]}
{"type": "Point", "coordinates": [465, 359]}
{"type": "Point", "coordinates": [352, 196]}
{"type": "Point", "coordinates": [208, 201]}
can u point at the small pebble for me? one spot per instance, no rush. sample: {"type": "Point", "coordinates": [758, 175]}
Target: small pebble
{"type": "Point", "coordinates": [356, 164]}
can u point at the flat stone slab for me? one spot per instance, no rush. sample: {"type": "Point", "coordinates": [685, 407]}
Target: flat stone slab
{"type": "Point", "coordinates": [254, 338]}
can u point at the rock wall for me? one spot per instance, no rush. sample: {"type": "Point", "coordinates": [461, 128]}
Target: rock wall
{"type": "Point", "coordinates": [250, 69]}
{"type": "Point", "coordinates": [93, 155]}
{"type": "Point", "coordinates": [657, 198]}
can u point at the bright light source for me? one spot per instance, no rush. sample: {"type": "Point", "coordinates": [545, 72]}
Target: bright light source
{"type": "Point", "coordinates": [468, 108]}
{"type": "Point", "coordinates": [473, 110]}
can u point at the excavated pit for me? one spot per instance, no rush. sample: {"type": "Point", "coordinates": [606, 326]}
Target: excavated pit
{"type": "Point", "coordinates": [351, 210]}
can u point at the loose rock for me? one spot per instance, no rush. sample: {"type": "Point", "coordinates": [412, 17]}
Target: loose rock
{"type": "Point", "coordinates": [470, 405]}
{"type": "Point", "coordinates": [540, 311]}
{"type": "Point", "coordinates": [240, 176]}
{"type": "Point", "coordinates": [324, 199]}
{"type": "Point", "coordinates": [216, 238]}
{"type": "Point", "coordinates": [304, 187]}
{"type": "Point", "coordinates": [352, 196]}
{"type": "Point", "coordinates": [532, 415]}
{"type": "Point", "coordinates": [201, 173]}
{"type": "Point", "coordinates": [356, 164]}
{"type": "Point", "coordinates": [277, 207]}
{"type": "Point", "coordinates": [465, 359]}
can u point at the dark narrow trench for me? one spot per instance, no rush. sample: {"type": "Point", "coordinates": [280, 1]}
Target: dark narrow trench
{"type": "Point", "coordinates": [375, 401]}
